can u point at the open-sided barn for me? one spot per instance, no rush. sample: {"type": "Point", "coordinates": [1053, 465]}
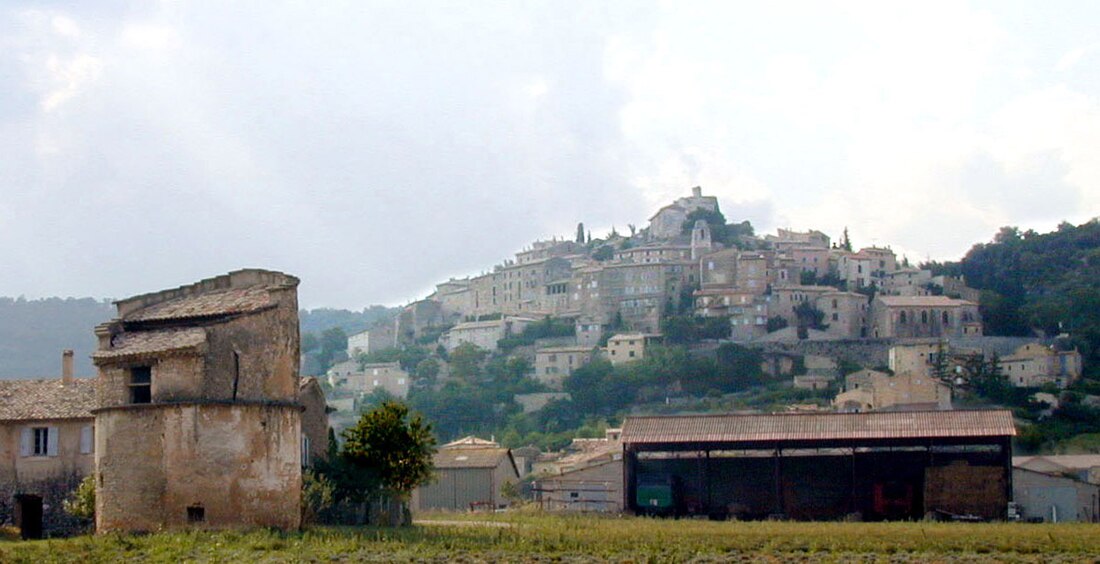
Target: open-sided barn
{"type": "Point", "coordinates": [874, 466]}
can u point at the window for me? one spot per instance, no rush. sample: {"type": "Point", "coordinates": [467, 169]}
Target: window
{"type": "Point", "coordinates": [305, 451]}
{"type": "Point", "coordinates": [924, 317]}
{"type": "Point", "coordinates": [41, 441]}
{"type": "Point", "coordinates": [902, 318]}
{"type": "Point", "coordinates": [946, 319]}
{"type": "Point", "coordinates": [835, 317]}
{"type": "Point", "coordinates": [141, 384]}
{"type": "Point", "coordinates": [87, 439]}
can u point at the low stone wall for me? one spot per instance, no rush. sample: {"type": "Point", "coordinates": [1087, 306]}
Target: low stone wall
{"type": "Point", "coordinates": [865, 352]}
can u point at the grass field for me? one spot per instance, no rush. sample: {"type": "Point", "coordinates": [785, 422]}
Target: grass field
{"type": "Point", "coordinates": [542, 538]}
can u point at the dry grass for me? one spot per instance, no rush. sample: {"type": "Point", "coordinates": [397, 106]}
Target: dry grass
{"type": "Point", "coordinates": [538, 538]}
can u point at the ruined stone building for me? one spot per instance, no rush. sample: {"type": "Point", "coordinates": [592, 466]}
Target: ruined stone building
{"type": "Point", "coordinates": [45, 448]}
{"type": "Point", "coordinates": [198, 418]}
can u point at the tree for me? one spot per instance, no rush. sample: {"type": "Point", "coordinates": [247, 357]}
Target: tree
{"type": "Point", "coordinates": [776, 323]}
{"type": "Point", "coordinates": [845, 242]}
{"type": "Point", "coordinates": [81, 502]}
{"type": "Point", "coordinates": [465, 361]}
{"type": "Point", "coordinates": [427, 370]}
{"type": "Point", "coordinates": [580, 233]}
{"type": "Point", "coordinates": [810, 317]}
{"type": "Point", "coordinates": [389, 451]}
{"type": "Point", "coordinates": [605, 252]}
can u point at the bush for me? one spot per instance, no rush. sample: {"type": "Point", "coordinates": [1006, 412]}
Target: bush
{"type": "Point", "coordinates": [81, 502]}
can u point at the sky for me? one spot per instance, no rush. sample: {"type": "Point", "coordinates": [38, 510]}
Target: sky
{"type": "Point", "coordinates": [374, 149]}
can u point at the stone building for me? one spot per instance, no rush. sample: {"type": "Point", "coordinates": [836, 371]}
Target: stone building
{"type": "Point", "coordinates": [198, 419]}
{"type": "Point", "coordinates": [46, 448]}
{"type": "Point", "coordinates": [627, 347]}
{"type": "Point", "coordinates": [869, 390]}
{"type": "Point", "coordinates": [669, 220]}
{"type": "Point", "coordinates": [1034, 364]}
{"type": "Point", "coordinates": [365, 378]}
{"type": "Point", "coordinates": [910, 317]}
{"type": "Point", "coordinates": [554, 364]}
{"type": "Point", "coordinates": [315, 425]}
{"type": "Point", "coordinates": [484, 334]}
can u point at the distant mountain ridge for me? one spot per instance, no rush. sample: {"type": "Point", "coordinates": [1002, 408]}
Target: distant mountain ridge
{"type": "Point", "coordinates": [34, 332]}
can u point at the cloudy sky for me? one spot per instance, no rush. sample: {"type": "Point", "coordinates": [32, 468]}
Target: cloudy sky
{"type": "Point", "coordinates": [374, 148]}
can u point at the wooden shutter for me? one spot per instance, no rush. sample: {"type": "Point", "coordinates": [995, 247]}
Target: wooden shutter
{"type": "Point", "coordinates": [51, 443]}
{"type": "Point", "coordinates": [86, 438]}
{"type": "Point", "coordinates": [26, 442]}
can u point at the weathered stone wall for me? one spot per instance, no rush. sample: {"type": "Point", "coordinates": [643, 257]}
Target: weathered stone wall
{"type": "Point", "coordinates": [239, 462]}
{"type": "Point", "coordinates": [314, 419]}
{"type": "Point", "coordinates": [53, 491]}
{"type": "Point", "coordinates": [865, 352]}
{"type": "Point", "coordinates": [266, 347]}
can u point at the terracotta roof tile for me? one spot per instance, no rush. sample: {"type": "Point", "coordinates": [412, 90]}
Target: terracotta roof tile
{"type": "Point", "coordinates": [208, 304]}
{"type": "Point", "coordinates": [922, 301]}
{"type": "Point", "coordinates": [46, 399]}
{"type": "Point", "coordinates": [817, 426]}
{"type": "Point", "coordinates": [143, 343]}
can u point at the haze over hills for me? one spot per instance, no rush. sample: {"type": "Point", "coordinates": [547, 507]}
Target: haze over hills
{"type": "Point", "coordinates": [34, 332]}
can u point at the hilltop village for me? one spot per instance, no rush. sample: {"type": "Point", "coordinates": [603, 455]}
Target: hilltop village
{"type": "Point", "coordinates": [691, 368]}
{"type": "Point", "coordinates": [812, 310]}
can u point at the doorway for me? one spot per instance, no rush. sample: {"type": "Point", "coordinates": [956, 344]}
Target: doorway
{"type": "Point", "coordinates": [28, 516]}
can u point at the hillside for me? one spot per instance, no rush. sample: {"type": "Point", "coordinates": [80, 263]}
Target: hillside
{"type": "Point", "coordinates": [34, 332]}
{"type": "Point", "coordinates": [1045, 283]}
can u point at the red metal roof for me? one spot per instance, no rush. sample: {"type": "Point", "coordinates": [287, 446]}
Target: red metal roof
{"type": "Point", "coordinates": [817, 426]}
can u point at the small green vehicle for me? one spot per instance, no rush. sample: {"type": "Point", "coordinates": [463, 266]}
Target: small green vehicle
{"type": "Point", "coordinates": [658, 496]}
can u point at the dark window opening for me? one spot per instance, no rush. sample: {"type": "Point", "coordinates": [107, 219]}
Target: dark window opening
{"type": "Point", "coordinates": [41, 441]}
{"type": "Point", "coordinates": [236, 373]}
{"type": "Point", "coordinates": [141, 384]}
{"type": "Point", "coordinates": [196, 514]}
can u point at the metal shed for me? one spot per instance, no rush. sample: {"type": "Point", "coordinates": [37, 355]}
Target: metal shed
{"type": "Point", "coordinates": [874, 466]}
{"type": "Point", "coordinates": [468, 479]}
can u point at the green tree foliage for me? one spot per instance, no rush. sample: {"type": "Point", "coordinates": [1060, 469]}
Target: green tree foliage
{"type": "Point", "coordinates": [845, 241]}
{"type": "Point", "coordinates": [580, 233]}
{"type": "Point", "coordinates": [1049, 282]}
{"type": "Point", "coordinates": [390, 449]}
{"type": "Point", "coordinates": [547, 327]}
{"type": "Point", "coordinates": [333, 347]}
{"type": "Point", "coordinates": [427, 371]}
{"type": "Point", "coordinates": [81, 502]}
{"type": "Point", "coordinates": [776, 323]}
{"type": "Point", "coordinates": [318, 496]}
{"type": "Point", "coordinates": [465, 362]}
{"type": "Point", "coordinates": [730, 235]}
{"type": "Point", "coordinates": [684, 329]}
{"type": "Point", "coordinates": [810, 317]}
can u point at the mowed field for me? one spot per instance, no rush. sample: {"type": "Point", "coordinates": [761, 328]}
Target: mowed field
{"type": "Point", "coordinates": [543, 538]}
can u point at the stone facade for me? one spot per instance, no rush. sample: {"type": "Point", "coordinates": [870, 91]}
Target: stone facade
{"type": "Point", "coordinates": [868, 390]}
{"type": "Point", "coordinates": [198, 420]}
{"type": "Point", "coordinates": [350, 375]}
{"type": "Point", "coordinates": [627, 347]}
{"type": "Point", "coordinates": [46, 447]}
{"type": "Point", "coordinates": [315, 425]}
{"type": "Point", "coordinates": [554, 364]}
{"type": "Point", "coordinates": [1034, 365]}
{"type": "Point", "coordinates": [911, 317]}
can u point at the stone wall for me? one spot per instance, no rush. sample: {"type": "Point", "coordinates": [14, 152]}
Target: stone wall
{"type": "Point", "coordinates": [865, 352]}
{"type": "Point", "coordinates": [53, 491]}
{"type": "Point", "coordinates": [240, 463]}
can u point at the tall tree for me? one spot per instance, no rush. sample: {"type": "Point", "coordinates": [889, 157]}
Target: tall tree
{"type": "Point", "coordinates": [580, 233]}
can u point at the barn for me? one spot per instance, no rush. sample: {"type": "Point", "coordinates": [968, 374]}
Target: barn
{"type": "Point", "coordinates": [820, 466]}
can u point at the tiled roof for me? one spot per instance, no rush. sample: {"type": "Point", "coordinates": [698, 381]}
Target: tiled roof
{"type": "Point", "coordinates": [818, 426]}
{"type": "Point", "coordinates": [471, 441]}
{"type": "Point", "coordinates": [137, 344]}
{"type": "Point", "coordinates": [922, 301]}
{"type": "Point", "coordinates": [47, 399]}
{"type": "Point", "coordinates": [208, 304]}
{"type": "Point", "coordinates": [469, 457]}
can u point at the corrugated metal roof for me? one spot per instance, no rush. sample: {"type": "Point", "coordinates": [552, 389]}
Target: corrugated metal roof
{"type": "Point", "coordinates": [469, 457]}
{"type": "Point", "coordinates": [817, 426]}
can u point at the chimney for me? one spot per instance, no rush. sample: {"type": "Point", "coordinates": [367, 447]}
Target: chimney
{"type": "Point", "coordinates": [67, 367]}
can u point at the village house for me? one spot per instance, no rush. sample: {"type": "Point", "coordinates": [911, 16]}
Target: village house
{"type": "Point", "coordinates": [198, 418]}
{"type": "Point", "coordinates": [923, 317]}
{"type": "Point", "coordinates": [483, 334]}
{"type": "Point", "coordinates": [627, 347]}
{"type": "Point", "coordinates": [787, 299]}
{"type": "Point", "coordinates": [846, 313]}
{"type": "Point", "coordinates": [370, 341]}
{"type": "Point", "coordinates": [870, 390]}
{"type": "Point", "coordinates": [916, 357]}
{"type": "Point", "coordinates": [786, 239]}
{"type": "Point", "coordinates": [1033, 365]}
{"type": "Point", "coordinates": [46, 448]}
{"type": "Point", "coordinates": [554, 364]}
{"type": "Point", "coordinates": [470, 474]}
{"type": "Point", "coordinates": [365, 378]}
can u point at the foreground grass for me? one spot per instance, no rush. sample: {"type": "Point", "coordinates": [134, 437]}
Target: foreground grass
{"type": "Point", "coordinates": [527, 538]}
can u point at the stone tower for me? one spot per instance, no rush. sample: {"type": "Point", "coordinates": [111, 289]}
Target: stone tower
{"type": "Point", "coordinates": [700, 239]}
{"type": "Point", "coordinates": [198, 421]}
